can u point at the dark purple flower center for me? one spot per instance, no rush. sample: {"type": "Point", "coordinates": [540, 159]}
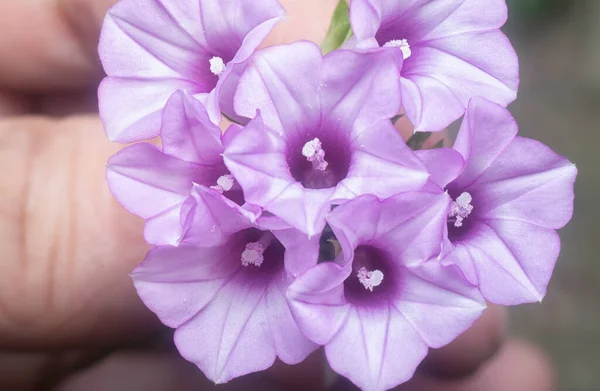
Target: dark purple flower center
{"type": "Point", "coordinates": [319, 160]}
{"type": "Point", "coordinates": [372, 279]}
{"type": "Point", "coordinates": [389, 36]}
{"type": "Point", "coordinates": [217, 177]}
{"type": "Point", "coordinates": [259, 253]}
{"type": "Point", "coordinates": [213, 68]}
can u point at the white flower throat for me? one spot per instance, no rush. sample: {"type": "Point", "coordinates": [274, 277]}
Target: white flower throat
{"type": "Point", "coordinates": [314, 153]}
{"type": "Point", "coordinates": [401, 44]}
{"type": "Point", "coordinates": [224, 183]}
{"type": "Point", "coordinates": [370, 279]}
{"type": "Point", "coordinates": [253, 253]}
{"type": "Point", "coordinates": [460, 209]}
{"type": "Point", "coordinates": [217, 65]}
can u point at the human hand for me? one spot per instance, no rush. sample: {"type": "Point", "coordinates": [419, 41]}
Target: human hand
{"type": "Point", "coordinates": [69, 316]}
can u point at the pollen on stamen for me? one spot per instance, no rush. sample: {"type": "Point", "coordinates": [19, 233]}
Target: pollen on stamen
{"type": "Point", "coordinates": [314, 153]}
{"type": "Point", "coordinates": [253, 254]}
{"type": "Point", "coordinates": [217, 65]}
{"type": "Point", "coordinates": [224, 183]}
{"type": "Point", "coordinates": [370, 279]}
{"type": "Point", "coordinates": [461, 208]}
{"type": "Point", "coordinates": [402, 44]}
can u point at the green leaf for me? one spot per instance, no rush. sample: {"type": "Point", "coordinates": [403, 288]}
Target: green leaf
{"type": "Point", "coordinates": [417, 140]}
{"type": "Point", "coordinates": [339, 29]}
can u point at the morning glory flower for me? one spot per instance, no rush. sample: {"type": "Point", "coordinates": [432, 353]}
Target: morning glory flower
{"type": "Point", "coordinates": [453, 50]}
{"type": "Point", "coordinates": [323, 133]}
{"type": "Point", "coordinates": [227, 302]}
{"type": "Point", "coordinates": [155, 183]}
{"type": "Point", "coordinates": [509, 197]}
{"type": "Point", "coordinates": [386, 299]}
{"type": "Point", "coordinates": [151, 48]}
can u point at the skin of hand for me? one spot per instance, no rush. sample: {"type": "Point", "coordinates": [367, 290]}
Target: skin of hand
{"type": "Point", "coordinates": [70, 319]}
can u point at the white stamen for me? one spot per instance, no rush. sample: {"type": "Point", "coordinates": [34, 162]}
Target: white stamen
{"type": "Point", "coordinates": [461, 208]}
{"type": "Point", "coordinates": [217, 66]}
{"type": "Point", "coordinates": [402, 44]}
{"type": "Point", "coordinates": [253, 254]}
{"type": "Point", "coordinates": [314, 153]}
{"type": "Point", "coordinates": [224, 183]}
{"type": "Point", "coordinates": [370, 279]}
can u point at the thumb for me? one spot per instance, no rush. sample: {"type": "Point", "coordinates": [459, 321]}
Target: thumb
{"type": "Point", "coordinates": [67, 246]}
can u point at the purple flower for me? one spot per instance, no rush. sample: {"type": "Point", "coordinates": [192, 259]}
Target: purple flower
{"type": "Point", "coordinates": [453, 50]}
{"type": "Point", "coordinates": [509, 197]}
{"type": "Point", "coordinates": [151, 48]}
{"type": "Point", "coordinates": [156, 184]}
{"type": "Point", "coordinates": [379, 307]}
{"type": "Point", "coordinates": [323, 133]}
{"type": "Point", "coordinates": [228, 302]}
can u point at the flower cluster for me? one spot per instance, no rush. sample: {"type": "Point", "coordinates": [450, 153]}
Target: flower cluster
{"type": "Point", "coordinates": [310, 222]}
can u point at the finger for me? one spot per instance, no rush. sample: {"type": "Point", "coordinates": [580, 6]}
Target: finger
{"type": "Point", "coordinates": [144, 371]}
{"type": "Point", "coordinates": [62, 104]}
{"type": "Point", "coordinates": [311, 374]}
{"type": "Point", "coordinates": [44, 45]}
{"type": "Point", "coordinates": [519, 366]}
{"type": "Point", "coordinates": [67, 245]}
{"type": "Point", "coordinates": [13, 104]}
{"type": "Point", "coordinates": [471, 349]}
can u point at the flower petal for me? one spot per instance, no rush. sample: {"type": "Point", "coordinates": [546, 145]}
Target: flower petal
{"type": "Point", "coordinates": [301, 252]}
{"type": "Point", "coordinates": [423, 96]}
{"type": "Point", "coordinates": [513, 260]}
{"type": "Point", "coordinates": [213, 219]}
{"type": "Point", "coordinates": [381, 168]}
{"type": "Point", "coordinates": [177, 282]}
{"type": "Point", "coordinates": [365, 18]}
{"type": "Point", "coordinates": [283, 82]}
{"type": "Point", "coordinates": [486, 130]}
{"type": "Point", "coordinates": [131, 107]}
{"type": "Point", "coordinates": [376, 349]}
{"type": "Point", "coordinates": [256, 157]}
{"type": "Point", "coordinates": [513, 178]}
{"type": "Point", "coordinates": [443, 164]}
{"type": "Point", "coordinates": [490, 71]}
{"type": "Point", "coordinates": [291, 346]}
{"type": "Point", "coordinates": [228, 23]}
{"type": "Point", "coordinates": [425, 20]}
{"type": "Point", "coordinates": [359, 89]}
{"type": "Point", "coordinates": [366, 210]}
{"type": "Point", "coordinates": [149, 49]}
{"type": "Point", "coordinates": [410, 225]}
{"type": "Point", "coordinates": [230, 337]}
{"type": "Point", "coordinates": [527, 182]}
{"type": "Point", "coordinates": [317, 301]}
{"type": "Point", "coordinates": [152, 39]}
{"type": "Point", "coordinates": [187, 132]}
{"type": "Point", "coordinates": [457, 52]}
{"type": "Point", "coordinates": [225, 24]}
{"type": "Point", "coordinates": [166, 227]}
{"type": "Point", "coordinates": [438, 302]}
{"type": "Point", "coordinates": [152, 185]}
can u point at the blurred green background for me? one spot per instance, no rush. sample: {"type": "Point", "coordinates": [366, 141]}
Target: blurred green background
{"type": "Point", "coordinates": [558, 42]}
